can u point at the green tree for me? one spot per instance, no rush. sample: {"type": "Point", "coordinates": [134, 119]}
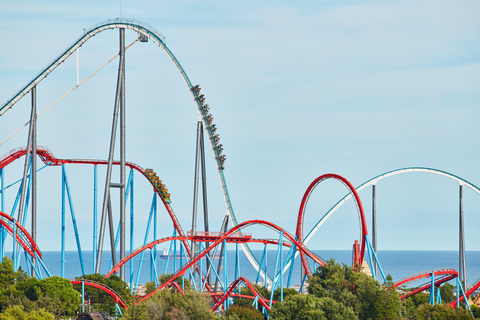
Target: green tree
{"type": "Point", "coordinates": [8, 277]}
{"type": "Point", "coordinates": [447, 292]}
{"type": "Point", "coordinates": [441, 312]}
{"type": "Point", "coordinates": [357, 291]}
{"type": "Point", "coordinates": [243, 313]}
{"type": "Point", "coordinates": [309, 307]}
{"type": "Point", "coordinates": [101, 300]}
{"type": "Point", "coordinates": [18, 312]}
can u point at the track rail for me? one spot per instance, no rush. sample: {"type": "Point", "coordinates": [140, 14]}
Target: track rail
{"type": "Point", "coordinates": [232, 287]}
{"type": "Point", "coordinates": [303, 205]}
{"type": "Point", "coordinates": [21, 234]}
{"type": "Point", "coordinates": [104, 288]}
{"type": "Point", "coordinates": [443, 274]}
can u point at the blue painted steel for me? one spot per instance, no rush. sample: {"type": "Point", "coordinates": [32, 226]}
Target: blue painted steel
{"type": "Point", "coordinates": [175, 256]}
{"type": "Point", "coordinates": [280, 245]}
{"type": "Point", "coordinates": [182, 252]}
{"type": "Point", "coordinates": [20, 180]}
{"type": "Point", "coordinates": [83, 296]}
{"type": "Point", "coordinates": [292, 262]}
{"type": "Point", "coordinates": [237, 266]}
{"type": "Point", "coordinates": [152, 266]}
{"type": "Point", "coordinates": [463, 294]}
{"type": "Point", "coordinates": [274, 284]}
{"type": "Point", "coordinates": [130, 179]}
{"type": "Point", "coordinates": [170, 252]}
{"type": "Point", "coordinates": [261, 264]}
{"type": "Point", "coordinates": [62, 270]}
{"type": "Point", "coordinates": [94, 218]}
{"type": "Point", "coordinates": [36, 269]}
{"type": "Point", "coordinates": [225, 270]}
{"type": "Point", "coordinates": [29, 272]}
{"type": "Point", "coordinates": [303, 282]}
{"type": "Point", "coordinates": [118, 309]}
{"type": "Point", "coordinates": [152, 258]}
{"type": "Point", "coordinates": [37, 258]}
{"type": "Point", "coordinates": [439, 296]}
{"type": "Point", "coordinates": [432, 290]}
{"type": "Point", "coordinates": [154, 200]}
{"type": "Point", "coordinates": [14, 242]}
{"type": "Point", "coordinates": [74, 221]}
{"type": "Point", "coordinates": [370, 248]}
{"type": "Point", "coordinates": [225, 273]}
{"type": "Point", "coordinates": [212, 267]}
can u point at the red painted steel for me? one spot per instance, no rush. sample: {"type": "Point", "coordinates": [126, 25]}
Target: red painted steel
{"type": "Point", "coordinates": [233, 285]}
{"type": "Point", "coordinates": [104, 288]}
{"type": "Point", "coordinates": [22, 235]}
{"type": "Point", "coordinates": [224, 236]}
{"type": "Point", "coordinates": [443, 274]}
{"type": "Point", "coordinates": [303, 204]}
{"type": "Point", "coordinates": [469, 292]}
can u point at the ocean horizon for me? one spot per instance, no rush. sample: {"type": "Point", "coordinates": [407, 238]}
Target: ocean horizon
{"type": "Point", "coordinates": [397, 263]}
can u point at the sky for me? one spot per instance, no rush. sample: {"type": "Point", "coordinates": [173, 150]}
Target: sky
{"type": "Point", "coordinates": [297, 90]}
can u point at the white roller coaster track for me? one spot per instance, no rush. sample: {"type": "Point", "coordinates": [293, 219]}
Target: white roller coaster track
{"type": "Point", "coordinates": [159, 39]}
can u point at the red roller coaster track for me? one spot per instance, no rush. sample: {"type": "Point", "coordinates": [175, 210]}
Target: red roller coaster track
{"type": "Point", "coordinates": [232, 287]}
{"type": "Point", "coordinates": [303, 204]}
{"type": "Point", "coordinates": [443, 275]}
{"type": "Point", "coordinates": [22, 236]}
{"type": "Point", "coordinates": [104, 288]}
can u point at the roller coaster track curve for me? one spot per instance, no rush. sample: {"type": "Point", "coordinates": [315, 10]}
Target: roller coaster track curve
{"type": "Point", "coordinates": [223, 236]}
{"type": "Point", "coordinates": [21, 235]}
{"type": "Point", "coordinates": [159, 39]}
{"type": "Point", "coordinates": [303, 204]}
{"type": "Point", "coordinates": [380, 177]}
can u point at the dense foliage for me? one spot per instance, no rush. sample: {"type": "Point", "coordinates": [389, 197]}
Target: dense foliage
{"type": "Point", "coordinates": [100, 300]}
{"type": "Point", "coordinates": [36, 297]}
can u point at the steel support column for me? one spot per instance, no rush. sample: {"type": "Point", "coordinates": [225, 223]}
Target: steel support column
{"type": "Point", "coordinates": [195, 189]}
{"type": "Point", "coordinates": [34, 169]}
{"type": "Point", "coordinates": [374, 227]}
{"type": "Point", "coordinates": [462, 267]}
{"type": "Point", "coordinates": [106, 195]}
{"type": "Point", "coordinates": [27, 159]}
{"type": "Point", "coordinates": [122, 154]}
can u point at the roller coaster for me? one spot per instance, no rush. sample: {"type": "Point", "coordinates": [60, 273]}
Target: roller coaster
{"type": "Point", "coordinates": [197, 249]}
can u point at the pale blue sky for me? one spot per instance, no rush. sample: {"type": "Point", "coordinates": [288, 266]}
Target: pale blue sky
{"type": "Point", "coordinates": [296, 90]}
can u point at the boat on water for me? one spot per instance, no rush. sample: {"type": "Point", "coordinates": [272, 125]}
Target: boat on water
{"type": "Point", "coordinates": [165, 255]}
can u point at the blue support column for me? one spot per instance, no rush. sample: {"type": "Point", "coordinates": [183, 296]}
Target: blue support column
{"type": "Point", "coordinates": [261, 264]}
{"type": "Point", "coordinates": [280, 245]}
{"type": "Point", "coordinates": [74, 221]}
{"type": "Point", "coordinates": [152, 266]}
{"type": "Point", "coordinates": [237, 266]}
{"type": "Point", "coordinates": [292, 263]}
{"type": "Point", "coordinates": [131, 228]}
{"type": "Point", "coordinates": [170, 252]}
{"type": "Point", "coordinates": [14, 258]}
{"type": "Point", "coordinates": [37, 258]}
{"type": "Point", "coordinates": [83, 296]}
{"type": "Point", "coordinates": [275, 277]}
{"type": "Point", "coordinates": [94, 217]}
{"type": "Point", "coordinates": [439, 296]}
{"type": "Point", "coordinates": [150, 216]}
{"type": "Point", "coordinates": [62, 270]}
{"type": "Point", "coordinates": [432, 289]}
{"type": "Point", "coordinates": [225, 273]}
{"type": "Point", "coordinates": [2, 206]}
{"type": "Point", "coordinates": [175, 256]}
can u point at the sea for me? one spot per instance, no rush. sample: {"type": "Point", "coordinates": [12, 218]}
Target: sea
{"type": "Point", "coordinates": [398, 264]}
